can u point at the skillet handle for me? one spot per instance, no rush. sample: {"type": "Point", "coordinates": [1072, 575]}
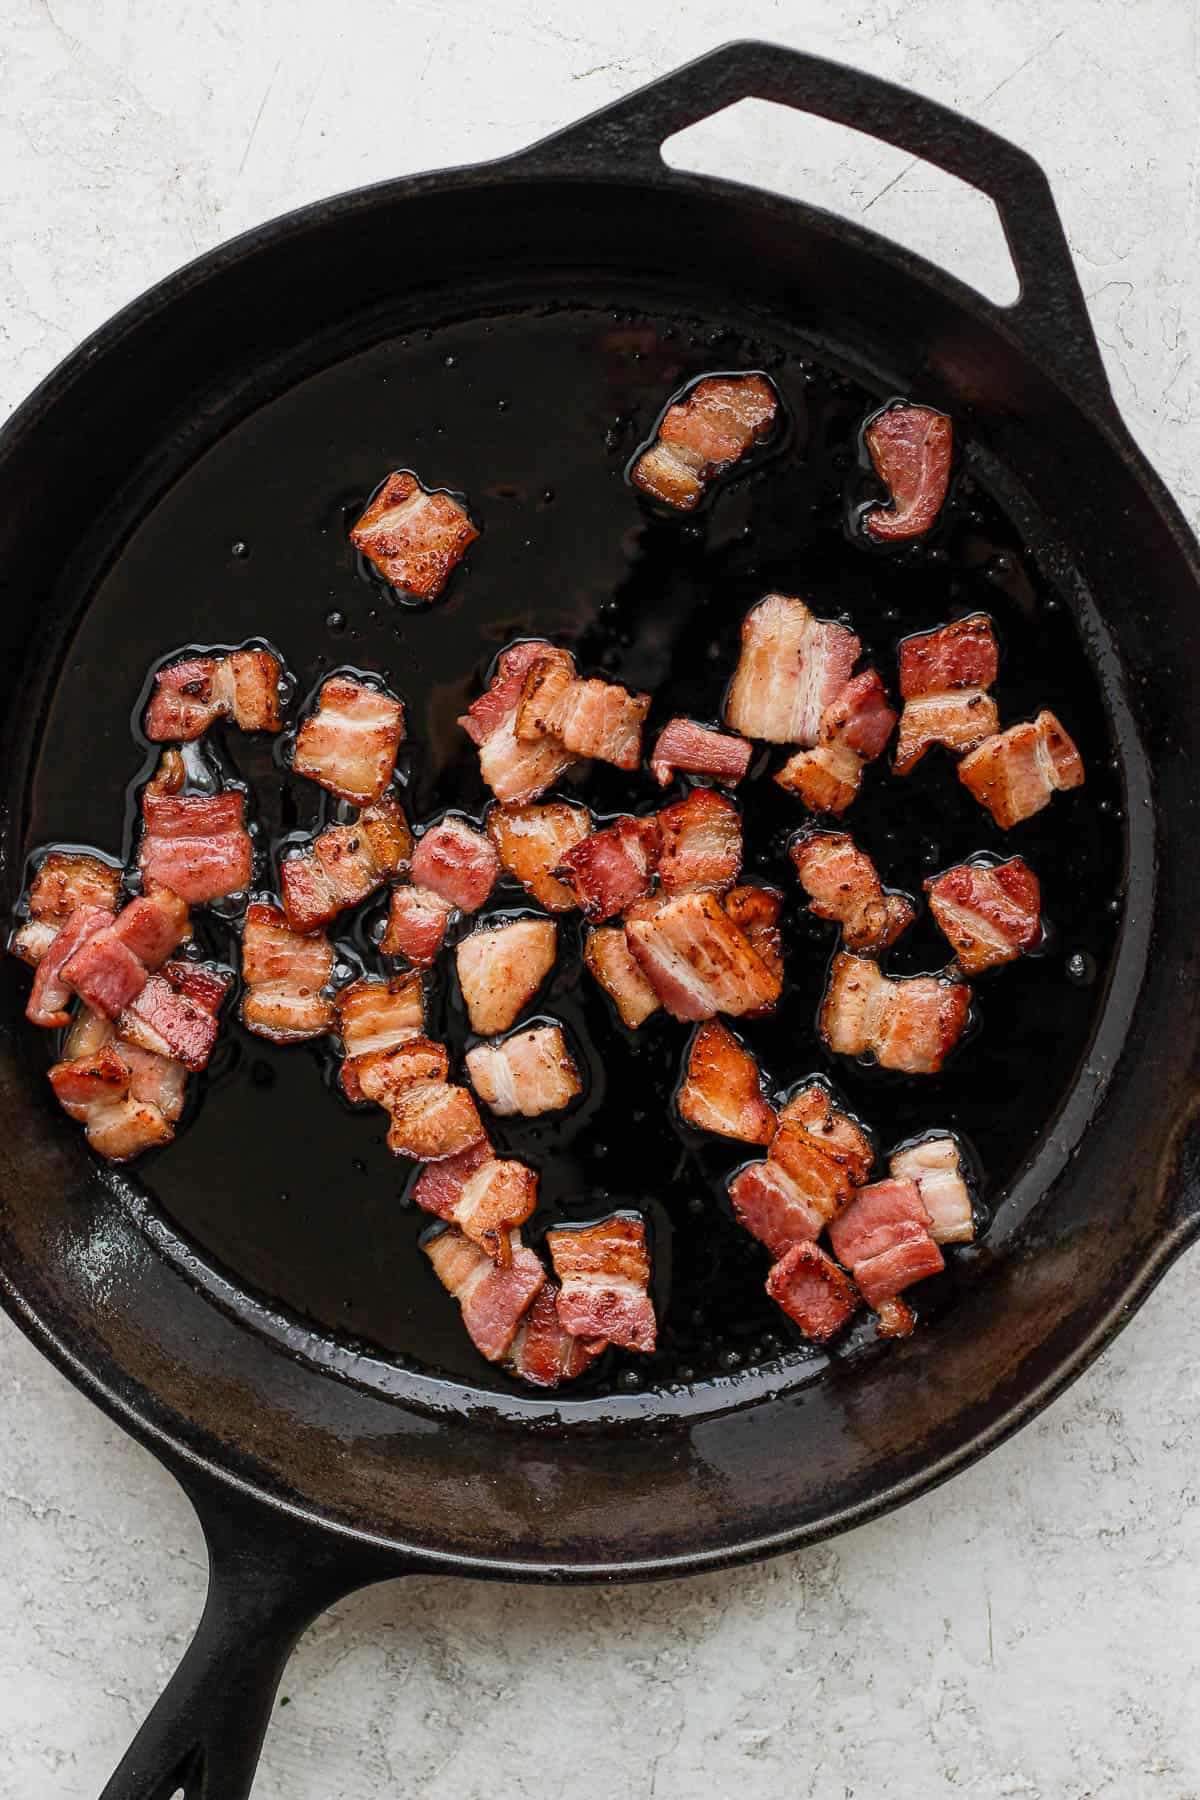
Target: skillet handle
{"type": "Point", "coordinates": [1050, 314]}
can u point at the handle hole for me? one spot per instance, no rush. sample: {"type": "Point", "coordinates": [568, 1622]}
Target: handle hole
{"type": "Point", "coordinates": [854, 176]}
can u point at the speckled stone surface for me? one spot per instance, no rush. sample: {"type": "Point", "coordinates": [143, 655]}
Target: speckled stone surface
{"type": "Point", "coordinates": [1034, 1628]}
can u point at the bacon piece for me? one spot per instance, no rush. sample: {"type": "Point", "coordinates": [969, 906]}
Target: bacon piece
{"type": "Point", "coordinates": [439, 1186]}
{"type": "Point", "coordinates": [192, 694]}
{"type": "Point", "coordinates": [501, 968]}
{"type": "Point", "coordinates": [431, 1119]}
{"type": "Point", "coordinates": [911, 448]}
{"type": "Point", "coordinates": [530, 1073]}
{"type": "Point", "coordinates": [792, 666]}
{"type": "Point", "coordinates": [912, 1023]}
{"type": "Point", "coordinates": [344, 864]}
{"type": "Point", "coordinates": [457, 863]}
{"type": "Point", "coordinates": [416, 925]}
{"type": "Point", "coordinates": [935, 1165]}
{"type": "Point", "coordinates": [374, 1018]}
{"type": "Point", "coordinates": [701, 842]}
{"type": "Point", "coordinates": [755, 911]}
{"type": "Point", "coordinates": [944, 677]}
{"type": "Point", "coordinates": [722, 1089]}
{"type": "Point", "coordinates": [696, 959]}
{"type": "Point", "coordinates": [284, 974]}
{"type": "Point", "coordinates": [414, 535]}
{"type": "Point", "coordinates": [816, 1159]}
{"type": "Point", "coordinates": [814, 1293]}
{"type": "Point", "coordinates": [542, 1353]}
{"type": "Point", "coordinates": [112, 965]}
{"type": "Point", "coordinates": [698, 750]}
{"type": "Point", "coordinates": [531, 842]}
{"type": "Point", "coordinates": [195, 844]}
{"type": "Point", "coordinates": [493, 1296]}
{"type": "Point", "coordinates": [842, 884]}
{"type": "Point", "coordinates": [883, 1237]}
{"type": "Point", "coordinates": [604, 1272]}
{"type": "Point", "coordinates": [610, 869]}
{"type": "Point", "coordinates": [65, 880]}
{"type": "Point", "coordinates": [175, 1015]}
{"type": "Point", "coordinates": [991, 912]}
{"type": "Point", "coordinates": [853, 732]}
{"type": "Point", "coordinates": [50, 997]}
{"type": "Point", "coordinates": [127, 1099]}
{"type": "Point", "coordinates": [384, 1075]}
{"type": "Point", "coordinates": [1017, 772]}
{"type": "Point", "coordinates": [608, 956]}
{"type": "Point", "coordinates": [484, 1195]}
{"type": "Point", "coordinates": [349, 743]}
{"type": "Point", "coordinates": [592, 718]}
{"type": "Point", "coordinates": [702, 435]}
{"type": "Point", "coordinates": [513, 770]}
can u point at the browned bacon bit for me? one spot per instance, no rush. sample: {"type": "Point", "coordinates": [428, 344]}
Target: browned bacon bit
{"type": "Point", "coordinates": [374, 1018]}
{"type": "Point", "coordinates": [383, 1075]}
{"type": "Point", "coordinates": [894, 1319]}
{"type": "Point", "coordinates": [944, 678]}
{"type": "Point", "coordinates": [991, 912]}
{"type": "Point", "coordinates": [604, 1272]}
{"type": "Point", "coordinates": [344, 864]}
{"type": "Point", "coordinates": [814, 1293]}
{"type": "Point", "coordinates": [593, 718]}
{"type": "Point", "coordinates": [816, 1159]}
{"type": "Point", "coordinates": [175, 1015]}
{"type": "Point", "coordinates": [1017, 772]}
{"type": "Point", "coordinates": [854, 731]}
{"type": "Point", "coordinates": [111, 965]}
{"type": "Point", "coordinates": [701, 843]}
{"type": "Point", "coordinates": [703, 435]}
{"type": "Point", "coordinates": [542, 1353]}
{"type": "Point", "coordinates": [530, 1073]}
{"type": "Point", "coordinates": [284, 974]}
{"type": "Point", "coordinates": [65, 879]}
{"type": "Point", "coordinates": [501, 968]}
{"type": "Point", "coordinates": [755, 911]}
{"type": "Point", "coordinates": [195, 844]}
{"type": "Point", "coordinates": [883, 1238]}
{"type": "Point", "coordinates": [696, 960]}
{"type": "Point", "coordinates": [532, 841]}
{"type": "Point", "coordinates": [698, 750]}
{"type": "Point", "coordinates": [513, 770]}
{"type": "Point", "coordinates": [610, 869]}
{"type": "Point", "coordinates": [193, 694]}
{"type": "Point", "coordinates": [484, 1195]}
{"type": "Point", "coordinates": [413, 535]}
{"type": "Point", "coordinates": [610, 960]}
{"type": "Point", "coordinates": [792, 666]}
{"type": "Point", "coordinates": [431, 1119]}
{"type": "Point", "coordinates": [457, 863]}
{"type": "Point", "coordinates": [722, 1089]}
{"type": "Point", "coordinates": [416, 925]}
{"type": "Point", "coordinates": [349, 743]}
{"type": "Point", "coordinates": [493, 1296]}
{"type": "Point", "coordinates": [842, 884]}
{"type": "Point", "coordinates": [912, 1023]}
{"type": "Point", "coordinates": [128, 1099]}
{"type": "Point", "coordinates": [910, 447]}
{"type": "Point", "coordinates": [935, 1165]}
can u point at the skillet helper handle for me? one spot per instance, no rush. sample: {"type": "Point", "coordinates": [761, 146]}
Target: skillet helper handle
{"type": "Point", "coordinates": [1050, 314]}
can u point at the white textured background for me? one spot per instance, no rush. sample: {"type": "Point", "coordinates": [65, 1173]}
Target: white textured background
{"type": "Point", "coordinates": [1031, 1630]}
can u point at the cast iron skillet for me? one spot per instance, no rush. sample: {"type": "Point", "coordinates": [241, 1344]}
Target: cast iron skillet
{"type": "Point", "coordinates": [315, 1465]}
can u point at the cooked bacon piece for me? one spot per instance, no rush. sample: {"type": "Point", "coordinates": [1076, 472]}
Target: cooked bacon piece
{"type": "Point", "coordinates": [817, 1157]}
{"type": "Point", "coordinates": [991, 912]}
{"type": "Point", "coordinates": [542, 1353]}
{"type": "Point", "coordinates": [853, 732]}
{"type": "Point", "coordinates": [894, 1319]}
{"type": "Point", "coordinates": [493, 1296]}
{"type": "Point", "coordinates": [431, 1119]}
{"type": "Point", "coordinates": [128, 1099]}
{"type": "Point", "coordinates": [415, 536]}
{"type": "Point", "coordinates": [935, 1165]}
{"type": "Point", "coordinates": [175, 1015]}
{"type": "Point", "coordinates": [484, 1195]}
{"type": "Point", "coordinates": [755, 911]}
{"type": "Point", "coordinates": [701, 843]}
{"type": "Point", "coordinates": [593, 718]}
{"type": "Point", "coordinates": [696, 959]}
{"type": "Point", "coordinates": [792, 666]}
{"type": "Point", "coordinates": [501, 968]}
{"type": "Point", "coordinates": [842, 884]}
{"type": "Point", "coordinates": [698, 750]}
{"type": "Point", "coordinates": [195, 844]}
{"type": "Point", "coordinates": [284, 974]}
{"type": "Point", "coordinates": [513, 770]}
{"type": "Point", "coordinates": [416, 925]}
{"type": "Point", "coordinates": [1017, 772]}
{"type": "Point", "coordinates": [883, 1238]}
{"type": "Point", "coordinates": [722, 1089]}
{"type": "Point", "coordinates": [65, 879]}
{"type": "Point", "coordinates": [194, 693]}
{"type": "Point", "coordinates": [912, 1023]}
{"type": "Point", "coordinates": [50, 997]}
{"type": "Point", "coordinates": [532, 841]}
{"type": "Point", "coordinates": [439, 1186]}
{"type": "Point", "coordinates": [530, 1073]}
{"type": "Point", "coordinates": [608, 956]}
{"type": "Point", "coordinates": [374, 1018]}
{"type": "Point", "coordinates": [349, 743]}
{"type": "Point", "coordinates": [810, 1120]}
{"type": "Point", "coordinates": [702, 435]}
{"type": "Point", "coordinates": [457, 863]}
{"type": "Point", "coordinates": [344, 864]}
{"type": "Point", "coordinates": [814, 1293]}
{"type": "Point", "coordinates": [604, 1272]}
{"type": "Point", "coordinates": [910, 447]}
{"type": "Point", "coordinates": [384, 1075]}
{"type": "Point", "coordinates": [610, 869]}
{"type": "Point", "coordinates": [112, 965]}
{"type": "Point", "coordinates": [944, 678]}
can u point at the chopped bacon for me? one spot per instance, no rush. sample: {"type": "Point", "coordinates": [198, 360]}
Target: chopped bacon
{"type": "Point", "coordinates": [910, 448]}
{"type": "Point", "coordinates": [383, 1075]}
{"type": "Point", "coordinates": [792, 666]}
{"type": "Point", "coordinates": [702, 435]}
{"type": "Point", "coordinates": [817, 1157]}
{"type": "Point", "coordinates": [853, 732]}
{"type": "Point", "coordinates": [608, 956]}
{"type": "Point", "coordinates": [814, 1293]}
{"type": "Point", "coordinates": [1017, 772]}
{"type": "Point", "coordinates": [484, 1195]}
{"type": "Point", "coordinates": [175, 1015]}
{"type": "Point", "coordinates": [696, 959]}
{"type": "Point", "coordinates": [755, 911]}
{"type": "Point", "coordinates": [127, 1099]}
{"type": "Point", "coordinates": [111, 966]}
{"type": "Point", "coordinates": [416, 925]}
{"type": "Point", "coordinates": [493, 1295]}
{"type": "Point", "coordinates": [415, 536]}
{"type": "Point", "coordinates": [698, 750]}
{"type": "Point", "coordinates": [894, 1319]}
{"type": "Point", "coordinates": [883, 1238]}
{"type": "Point", "coordinates": [842, 884]}
{"type": "Point", "coordinates": [374, 1018]}
{"type": "Point", "coordinates": [701, 842]}
{"type": "Point", "coordinates": [284, 974]}
{"type": "Point", "coordinates": [50, 997]}
{"type": "Point", "coordinates": [349, 743]}
{"type": "Point", "coordinates": [65, 879]}
{"type": "Point", "coordinates": [944, 678]}
{"type": "Point", "coordinates": [592, 718]}
{"type": "Point", "coordinates": [722, 1089]}
{"type": "Point", "coordinates": [604, 1272]}
{"type": "Point", "coordinates": [610, 869]}
{"type": "Point", "coordinates": [912, 1023]}
{"type": "Point", "coordinates": [344, 864]}
{"type": "Point", "coordinates": [515, 771]}
{"type": "Point", "coordinates": [530, 1073]}
{"type": "Point", "coordinates": [501, 968]}
{"type": "Point", "coordinates": [194, 693]}
{"type": "Point", "coordinates": [935, 1165]}
{"type": "Point", "coordinates": [457, 863]}
{"type": "Point", "coordinates": [542, 1353]}
{"type": "Point", "coordinates": [431, 1119]}
{"type": "Point", "coordinates": [195, 844]}
{"type": "Point", "coordinates": [531, 842]}
{"type": "Point", "coordinates": [991, 912]}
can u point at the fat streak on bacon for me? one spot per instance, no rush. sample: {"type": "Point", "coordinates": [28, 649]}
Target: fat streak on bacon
{"type": "Point", "coordinates": [697, 960]}
{"type": "Point", "coordinates": [530, 1073]}
{"type": "Point", "coordinates": [597, 719]}
{"type": "Point", "coordinates": [1018, 772]}
{"type": "Point", "coordinates": [792, 666]}
{"type": "Point", "coordinates": [284, 973]}
{"type": "Point", "coordinates": [816, 1159]}
{"type": "Point", "coordinates": [374, 1017]}
{"type": "Point", "coordinates": [516, 772]}
{"type": "Point", "coordinates": [501, 968]}
{"type": "Point", "coordinates": [609, 870]}
{"type": "Point", "coordinates": [494, 1296]}
{"type": "Point", "coordinates": [64, 880]}
{"type": "Point", "coordinates": [842, 884]}
{"type": "Point", "coordinates": [113, 960]}
{"type": "Point", "coordinates": [344, 865]}
{"type": "Point", "coordinates": [193, 693]}
{"type": "Point", "coordinates": [486, 1196]}
{"type": "Point", "coordinates": [701, 838]}
{"type": "Point", "coordinates": [694, 749]}
{"type": "Point", "coordinates": [854, 730]}
{"type": "Point", "coordinates": [702, 435]}
{"type": "Point", "coordinates": [944, 678]}
{"type": "Point", "coordinates": [991, 912]}
{"type": "Point", "coordinates": [722, 1088]}
{"type": "Point", "coordinates": [935, 1165]}
{"type": "Point", "coordinates": [532, 840]}
{"type": "Point", "coordinates": [414, 535]}
{"type": "Point", "coordinates": [911, 1023]}
{"type": "Point", "coordinates": [542, 1352]}
{"type": "Point", "coordinates": [349, 742]}
{"type": "Point", "coordinates": [608, 956]}
{"type": "Point", "coordinates": [883, 1238]}
{"type": "Point", "coordinates": [911, 449]}
{"type": "Point", "coordinates": [813, 1291]}
{"type": "Point", "coordinates": [604, 1272]}
{"type": "Point", "coordinates": [176, 1013]}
